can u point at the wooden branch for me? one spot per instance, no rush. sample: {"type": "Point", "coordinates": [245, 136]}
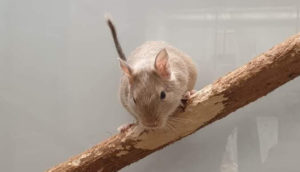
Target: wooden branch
{"type": "Point", "coordinates": [238, 88]}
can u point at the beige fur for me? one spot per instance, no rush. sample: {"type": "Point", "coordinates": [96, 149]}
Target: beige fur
{"type": "Point", "coordinates": [149, 109]}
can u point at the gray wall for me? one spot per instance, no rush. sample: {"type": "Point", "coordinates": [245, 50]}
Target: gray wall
{"type": "Point", "coordinates": [59, 77]}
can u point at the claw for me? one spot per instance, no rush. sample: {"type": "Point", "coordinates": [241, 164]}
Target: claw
{"type": "Point", "coordinates": [124, 127]}
{"type": "Point", "coordinates": [185, 99]}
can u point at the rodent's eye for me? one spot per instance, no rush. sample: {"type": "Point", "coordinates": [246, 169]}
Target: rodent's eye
{"type": "Point", "coordinates": [162, 95]}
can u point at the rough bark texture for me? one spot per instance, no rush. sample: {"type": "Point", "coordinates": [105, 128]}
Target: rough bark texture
{"type": "Point", "coordinates": [238, 88]}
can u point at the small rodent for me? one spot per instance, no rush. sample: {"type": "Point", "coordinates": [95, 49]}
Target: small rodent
{"type": "Point", "coordinates": [156, 77]}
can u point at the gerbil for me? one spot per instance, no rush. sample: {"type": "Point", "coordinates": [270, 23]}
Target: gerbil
{"type": "Point", "coordinates": [156, 77]}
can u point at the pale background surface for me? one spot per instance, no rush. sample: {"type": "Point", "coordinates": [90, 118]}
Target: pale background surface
{"type": "Point", "coordinates": [59, 77]}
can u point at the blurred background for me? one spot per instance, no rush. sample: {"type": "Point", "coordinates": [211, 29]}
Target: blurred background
{"type": "Point", "coordinates": [59, 79]}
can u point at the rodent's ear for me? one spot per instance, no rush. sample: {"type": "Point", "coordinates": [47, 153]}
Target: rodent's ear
{"type": "Point", "coordinates": [125, 68]}
{"type": "Point", "coordinates": [161, 64]}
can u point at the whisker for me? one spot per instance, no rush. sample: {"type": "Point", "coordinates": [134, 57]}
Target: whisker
{"type": "Point", "coordinates": [178, 119]}
{"type": "Point", "coordinates": [171, 127]}
{"type": "Point", "coordinates": [181, 118]}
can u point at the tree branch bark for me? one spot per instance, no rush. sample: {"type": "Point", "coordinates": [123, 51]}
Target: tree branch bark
{"type": "Point", "coordinates": [238, 88]}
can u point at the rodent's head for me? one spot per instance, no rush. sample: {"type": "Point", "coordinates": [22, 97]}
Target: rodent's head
{"type": "Point", "coordinates": [152, 94]}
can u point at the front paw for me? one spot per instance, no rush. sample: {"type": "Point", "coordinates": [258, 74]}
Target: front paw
{"type": "Point", "coordinates": [185, 98]}
{"type": "Point", "coordinates": [188, 95]}
{"type": "Point", "coordinates": [124, 127]}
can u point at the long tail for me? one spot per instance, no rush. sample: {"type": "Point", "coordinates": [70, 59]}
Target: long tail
{"type": "Point", "coordinates": [115, 37]}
